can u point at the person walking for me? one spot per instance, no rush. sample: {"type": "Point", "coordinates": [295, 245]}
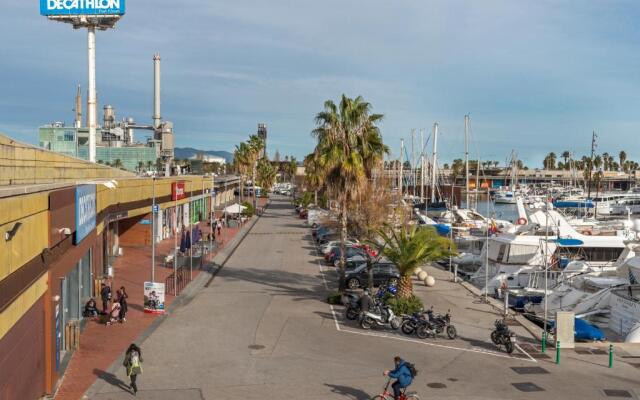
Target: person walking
{"type": "Point", "coordinates": [219, 227]}
{"type": "Point", "coordinates": [105, 295]}
{"type": "Point", "coordinates": [133, 364]}
{"type": "Point", "coordinates": [122, 299]}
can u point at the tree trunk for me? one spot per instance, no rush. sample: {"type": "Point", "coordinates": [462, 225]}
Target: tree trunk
{"type": "Point", "coordinates": [315, 197]}
{"type": "Point", "coordinates": [343, 238]}
{"type": "Point", "coordinates": [405, 286]}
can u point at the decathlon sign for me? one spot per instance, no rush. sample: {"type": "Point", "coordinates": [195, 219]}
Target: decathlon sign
{"type": "Point", "coordinates": [85, 211]}
{"type": "Point", "coordinates": [81, 7]}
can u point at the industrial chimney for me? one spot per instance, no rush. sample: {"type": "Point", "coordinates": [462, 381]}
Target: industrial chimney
{"type": "Point", "coordinates": [156, 91]}
{"type": "Point", "coordinates": [78, 110]}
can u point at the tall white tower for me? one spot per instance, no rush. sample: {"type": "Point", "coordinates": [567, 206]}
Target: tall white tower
{"type": "Point", "coordinates": [98, 15]}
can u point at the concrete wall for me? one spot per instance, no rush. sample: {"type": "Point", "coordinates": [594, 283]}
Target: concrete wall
{"type": "Point", "coordinates": [22, 164]}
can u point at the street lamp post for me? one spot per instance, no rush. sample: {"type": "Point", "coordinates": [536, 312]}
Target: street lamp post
{"type": "Point", "coordinates": [153, 231]}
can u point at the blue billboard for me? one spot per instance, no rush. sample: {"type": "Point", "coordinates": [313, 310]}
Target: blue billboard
{"type": "Point", "coordinates": [81, 7]}
{"type": "Point", "coordinates": [85, 211]}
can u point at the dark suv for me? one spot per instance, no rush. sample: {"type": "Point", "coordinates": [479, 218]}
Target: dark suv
{"type": "Point", "coordinates": [383, 273]}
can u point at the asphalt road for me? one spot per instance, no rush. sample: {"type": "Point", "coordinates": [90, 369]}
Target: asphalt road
{"type": "Point", "coordinates": [262, 330]}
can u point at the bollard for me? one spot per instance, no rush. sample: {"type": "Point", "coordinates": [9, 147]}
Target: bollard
{"type": "Point", "coordinates": [610, 356]}
{"type": "Point", "coordinates": [558, 352]}
{"type": "Point", "coordinates": [544, 343]}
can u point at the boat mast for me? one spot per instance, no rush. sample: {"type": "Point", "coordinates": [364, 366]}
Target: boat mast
{"type": "Point", "coordinates": [422, 180]}
{"type": "Point", "coordinates": [433, 166]}
{"type": "Point", "coordinates": [593, 148]}
{"type": "Point", "coordinates": [466, 158]}
{"type": "Point", "coordinates": [400, 174]}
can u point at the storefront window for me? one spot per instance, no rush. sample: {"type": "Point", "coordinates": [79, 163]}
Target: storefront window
{"type": "Point", "coordinates": [86, 277]}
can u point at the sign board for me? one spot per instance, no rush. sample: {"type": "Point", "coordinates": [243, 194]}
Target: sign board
{"type": "Point", "coordinates": [85, 211]}
{"type": "Point", "coordinates": [155, 208]}
{"type": "Point", "coordinates": [81, 7]}
{"type": "Point", "coordinates": [154, 297]}
{"type": "Point", "coordinates": [177, 191]}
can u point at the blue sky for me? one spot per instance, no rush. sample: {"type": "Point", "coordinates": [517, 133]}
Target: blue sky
{"type": "Point", "coordinates": [535, 76]}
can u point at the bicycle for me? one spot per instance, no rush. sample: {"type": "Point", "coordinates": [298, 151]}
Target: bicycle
{"type": "Point", "coordinates": [386, 395]}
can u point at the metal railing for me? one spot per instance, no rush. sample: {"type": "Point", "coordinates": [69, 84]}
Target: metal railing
{"type": "Point", "coordinates": [177, 281]}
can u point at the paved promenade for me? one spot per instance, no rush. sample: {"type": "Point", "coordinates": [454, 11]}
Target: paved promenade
{"type": "Point", "coordinates": [262, 330]}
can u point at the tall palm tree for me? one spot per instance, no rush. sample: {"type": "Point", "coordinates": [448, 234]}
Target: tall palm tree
{"type": "Point", "coordinates": [292, 168]}
{"type": "Point", "coordinates": [623, 158]}
{"type": "Point", "coordinates": [313, 174]}
{"type": "Point", "coordinates": [349, 146]}
{"type": "Point", "coordinates": [256, 146]}
{"type": "Point", "coordinates": [242, 161]}
{"type": "Point", "coordinates": [266, 174]}
{"type": "Point", "coordinates": [409, 248]}
{"type": "Point", "coordinates": [149, 165]}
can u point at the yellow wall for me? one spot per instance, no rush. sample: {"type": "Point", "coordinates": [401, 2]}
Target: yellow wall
{"type": "Point", "coordinates": [21, 305]}
{"type": "Point", "coordinates": [31, 238]}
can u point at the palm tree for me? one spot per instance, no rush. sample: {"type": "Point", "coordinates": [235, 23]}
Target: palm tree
{"type": "Point", "coordinates": [409, 248]}
{"type": "Point", "coordinates": [266, 174]}
{"type": "Point", "coordinates": [140, 166]}
{"type": "Point", "coordinates": [149, 165]}
{"type": "Point", "coordinates": [256, 145]}
{"type": "Point", "coordinates": [117, 163]}
{"type": "Point", "coordinates": [292, 168]}
{"type": "Point", "coordinates": [313, 174]}
{"type": "Point", "coordinates": [242, 161]}
{"type": "Point", "coordinates": [623, 158]}
{"type": "Point", "coordinates": [349, 146]}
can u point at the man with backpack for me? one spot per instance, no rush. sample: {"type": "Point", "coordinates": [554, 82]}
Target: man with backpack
{"type": "Point", "coordinates": [403, 374]}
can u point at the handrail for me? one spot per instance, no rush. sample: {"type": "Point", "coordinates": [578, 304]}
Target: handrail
{"type": "Point", "coordinates": [182, 279]}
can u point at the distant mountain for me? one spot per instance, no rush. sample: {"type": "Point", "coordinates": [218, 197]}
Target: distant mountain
{"type": "Point", "coordinates": [188, 152]}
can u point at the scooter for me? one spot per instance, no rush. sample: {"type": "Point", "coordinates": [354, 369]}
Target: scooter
{"type": "Point", "coordinates": [380, 316]}
{"type": "Point", "coordinates": [502, 335]}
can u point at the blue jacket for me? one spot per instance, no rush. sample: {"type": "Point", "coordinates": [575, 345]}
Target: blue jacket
{"type": "Point", "coordinates": [402, 374]}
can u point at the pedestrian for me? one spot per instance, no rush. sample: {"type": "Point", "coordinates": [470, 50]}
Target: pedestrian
{"type": "Point", "coordinates": [219, 227]}
{"type": "Point", "coordinates": [105, 295]}
{"type": "Point", "coordinates": [133, 364]}
{"type": "Point", "coordinates": [122, 299]}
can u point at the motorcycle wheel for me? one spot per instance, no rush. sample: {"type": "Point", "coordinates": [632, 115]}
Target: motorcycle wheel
{"type": "Point", "coordinates": [451, 332]}
{"type": "Point", "coordinates": [366, 323]}
{"type": "Point", "coordinates": [407, 327]}
{"type": "Point", "coordinates": [508, 346]}
{"type": "Point", "coordinates": [351, 314]}
{"type": "Point", "coordinates": [395, 323]}
{"type": "Point", "coordinates": [494, 338]}
{"type": "Point", "coordinates": [422, 332]}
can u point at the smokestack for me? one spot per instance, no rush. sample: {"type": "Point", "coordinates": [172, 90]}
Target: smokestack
{"type": "Point", "coordinates": [156, 91]}
{"type": "Point", "coordinates": [78, 109]}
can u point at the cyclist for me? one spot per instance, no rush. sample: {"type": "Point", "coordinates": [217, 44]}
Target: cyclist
{"type": "Point", "coordinates": [402, 374]}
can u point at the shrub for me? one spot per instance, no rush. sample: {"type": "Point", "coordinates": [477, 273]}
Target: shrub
{"type": "Point", "coordinates": [405, 305]}
{"type": "Point", "coordinates": [249, 211]}
{"type": "Point", "coordinates": [334, 298]}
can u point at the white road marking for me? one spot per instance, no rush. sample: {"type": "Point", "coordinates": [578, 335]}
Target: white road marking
{"type": "Point", "coordinates": [403, 339]}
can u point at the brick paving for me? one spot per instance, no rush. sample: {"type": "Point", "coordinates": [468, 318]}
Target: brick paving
{"type": "Point", "coordinates": [101, 345]}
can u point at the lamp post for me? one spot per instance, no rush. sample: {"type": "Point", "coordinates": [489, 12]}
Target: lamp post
{"type": "Point", "coordinates": [153, 231]}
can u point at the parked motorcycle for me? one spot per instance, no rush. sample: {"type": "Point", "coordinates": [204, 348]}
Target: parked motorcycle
{"type": "Point", "coordinates": [410, 323]}
{"type": "Point", "coordinates": [380, 316]}
{"type": "Point", "coordinates": [436, 324]}
{"type": "Point", "coordinates": [502, 335]}
{"type": "Point", "coordinates": [352, 310]}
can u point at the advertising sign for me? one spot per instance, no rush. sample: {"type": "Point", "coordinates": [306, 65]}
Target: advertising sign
{"type": "Point", "coordinates": [154, 297]}
{"type": "Point", "coordinates": [85, 211]}
{"type": "Point", "coordinates": [81, 7]}
{"type": "Point", "coordinates": [177, 191]}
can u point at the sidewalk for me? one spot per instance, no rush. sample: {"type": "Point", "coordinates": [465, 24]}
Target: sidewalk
{"type": "Point", "coordinates": [101, 345]}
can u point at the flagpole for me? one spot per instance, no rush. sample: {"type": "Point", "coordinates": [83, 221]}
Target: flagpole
{"type": "Point", "coordinates": [175, 246]}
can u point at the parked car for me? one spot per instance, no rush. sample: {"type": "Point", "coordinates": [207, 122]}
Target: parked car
{"type": "Point", "coordinates": [327, 247]}
{"type": "Point", "coordinates": [336, 253]}
{"type": "Point", "coordinates": [351, 261]}
{"type": "Point", "coordinates": [383, 273]}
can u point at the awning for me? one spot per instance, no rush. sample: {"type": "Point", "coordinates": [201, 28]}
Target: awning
{"type": "Point", "coordinates": [234, 209]}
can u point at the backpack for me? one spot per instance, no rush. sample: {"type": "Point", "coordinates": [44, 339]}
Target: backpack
{"type": "Point", "coordinates": [412, 369]}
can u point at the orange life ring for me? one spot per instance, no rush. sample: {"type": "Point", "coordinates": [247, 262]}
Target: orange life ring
{"type": "Point", "coordinates": [521, 221]}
